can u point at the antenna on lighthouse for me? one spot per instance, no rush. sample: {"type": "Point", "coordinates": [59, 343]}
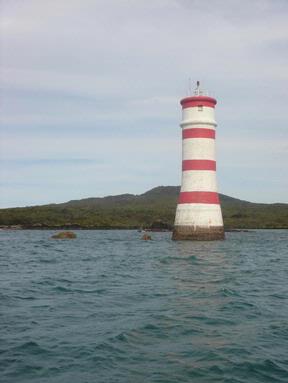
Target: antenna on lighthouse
{"type": "Point", "coordinates": [197, 90]}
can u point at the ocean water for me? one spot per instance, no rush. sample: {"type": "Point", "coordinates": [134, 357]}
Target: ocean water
{"type": "Point", "coordinates": [109, 307]}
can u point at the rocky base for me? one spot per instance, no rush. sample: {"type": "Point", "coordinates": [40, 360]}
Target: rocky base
{"type": "Point", "coordinates": [64, 235]}
{"type": "Point", "coordinates": [191, 233]}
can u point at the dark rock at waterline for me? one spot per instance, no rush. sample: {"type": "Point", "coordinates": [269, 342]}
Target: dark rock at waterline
{"type": "Point", "coordinates": [64, 235]}
{"type": "Point", "coordinates": [146, 237]}
{"type": "Point", "coordinates": [159, 225]}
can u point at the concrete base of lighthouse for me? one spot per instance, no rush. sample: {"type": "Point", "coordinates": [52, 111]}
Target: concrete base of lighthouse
{"type": "Point", "coordinates": [198, 233]}
{"type": "Point", "coordinates": [198, 222]}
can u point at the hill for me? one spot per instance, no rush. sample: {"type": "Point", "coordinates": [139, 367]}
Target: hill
{"type": "Point", "coordinates": [133, 211]}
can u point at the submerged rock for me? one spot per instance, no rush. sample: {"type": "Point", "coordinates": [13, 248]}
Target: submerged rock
{"type": "Point", "coordinates": [64, 235]}
{"type": "Point", "coordinates": [146, 237]}
{"type": "Point", "coordinates": [159, 225]}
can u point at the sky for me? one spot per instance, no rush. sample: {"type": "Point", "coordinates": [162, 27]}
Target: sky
{"type": "Point", "coordinates": [91, 88]}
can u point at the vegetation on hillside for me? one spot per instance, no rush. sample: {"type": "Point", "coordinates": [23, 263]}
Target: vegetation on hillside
{"type": "Point", "coordinates": [134, 211]}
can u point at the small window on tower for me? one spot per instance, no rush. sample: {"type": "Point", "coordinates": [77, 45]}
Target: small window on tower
{"type": "Point", "coordinates": [200, 108]}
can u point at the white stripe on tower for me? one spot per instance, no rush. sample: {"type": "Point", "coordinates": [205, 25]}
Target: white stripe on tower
{"type": "Point", "coordinates": [198, 213]}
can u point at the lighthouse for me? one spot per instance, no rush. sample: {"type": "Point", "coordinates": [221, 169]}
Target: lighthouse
{"type": "Point", "coordinates": [198, 213]}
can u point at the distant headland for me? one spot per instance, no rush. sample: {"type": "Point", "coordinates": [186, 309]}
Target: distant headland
{"type": "Point", "coordinates": [154, 210]}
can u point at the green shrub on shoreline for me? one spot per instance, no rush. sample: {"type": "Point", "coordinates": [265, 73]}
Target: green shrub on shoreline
{"type": "Point", "coordinates": [138, 211]}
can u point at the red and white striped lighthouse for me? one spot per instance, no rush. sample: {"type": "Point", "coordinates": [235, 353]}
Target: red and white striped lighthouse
{"type": "Point", "coordinates": [198, 213]}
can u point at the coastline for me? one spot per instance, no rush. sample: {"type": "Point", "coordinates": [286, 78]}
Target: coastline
{"type": "Point", "coordinates": [76, 227]}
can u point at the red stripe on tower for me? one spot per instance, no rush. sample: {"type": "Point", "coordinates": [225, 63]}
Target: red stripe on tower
{"type": "Point", "coordinates": [199, 197]}
{"type": "Point", "coordinates": [198, 165]}
{"type": "Point", "coordinates": [198, 133]}
{"type": "Point", "coordinates": [191, 102]}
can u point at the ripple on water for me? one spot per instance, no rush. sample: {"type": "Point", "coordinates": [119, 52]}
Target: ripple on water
{"type": "Point", "coordinates": [170, 260]}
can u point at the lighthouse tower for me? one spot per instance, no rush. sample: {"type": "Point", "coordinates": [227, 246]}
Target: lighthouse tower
{"type": "Point", "coordinates": [198, 213]}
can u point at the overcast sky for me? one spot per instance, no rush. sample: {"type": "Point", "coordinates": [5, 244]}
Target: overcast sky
{"type": "Point", "coordinates": [91, 89]}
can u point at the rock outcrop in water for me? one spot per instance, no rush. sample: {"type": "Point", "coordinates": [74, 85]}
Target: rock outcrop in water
{"type": "Point", "coordinates": [159, 225]}
{"type": "Point", "coordinates": [64, 235]}
{"type": "Point", "coordinates": [146, 237]}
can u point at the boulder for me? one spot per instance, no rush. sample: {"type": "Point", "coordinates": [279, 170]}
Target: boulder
{"type": "Point", "coordinates": [159, 225]}
{"type": "Point", "coordinates": [146, 237]}
{"type": "Point", "coordinates": [64, 235]}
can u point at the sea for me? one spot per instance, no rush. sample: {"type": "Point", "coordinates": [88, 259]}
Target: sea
{"type": "Point", "coordinates": [109, 307]}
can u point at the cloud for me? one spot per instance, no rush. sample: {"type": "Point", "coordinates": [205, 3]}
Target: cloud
{"type": "Point", "coordinates": [102, 80]}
